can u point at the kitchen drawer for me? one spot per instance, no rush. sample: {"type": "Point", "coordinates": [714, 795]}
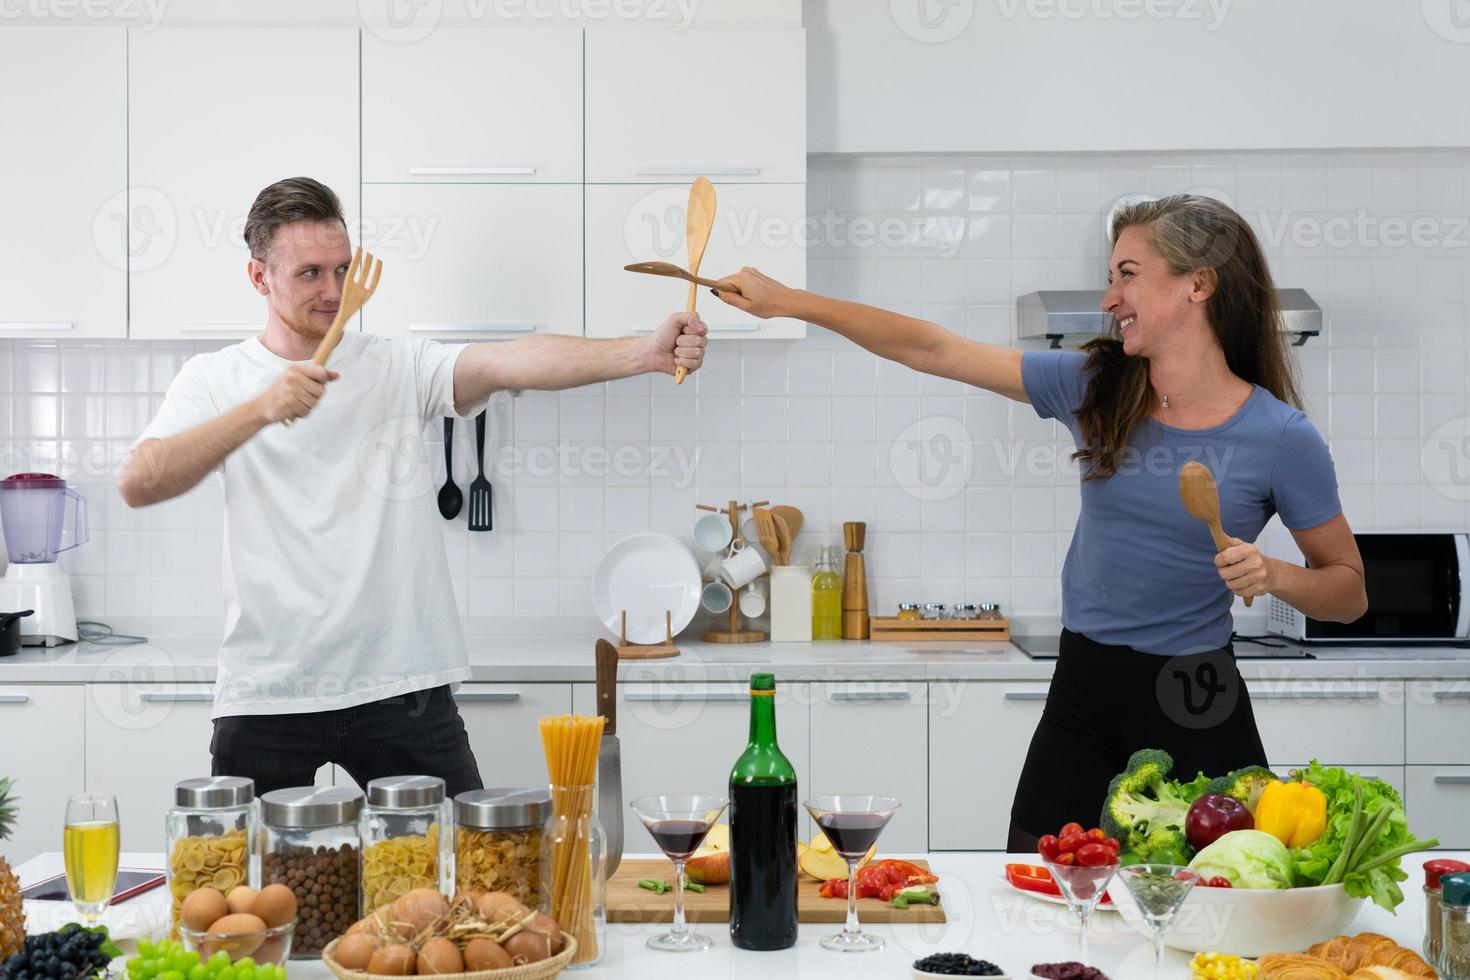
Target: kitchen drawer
{"type": "Point", "coordinates": [978, 736]}
{"type": "Point", "coordinates": [1436, 800]}
{"type": "Point", "coordinates": [501, 720]}
{"type": "Point", "coordinates": [475, 262]}
{"type": "Point", "coordinates": [873, 738]}
{"type": "Point", "coordinates": [442, 109]}
{"type": "Point", "coordinates": [1393, 775]}
{"type": "Point", "coordinates": [1437, 722]}
{"type": "Point", "coordinates": [42, 731]}
{"type": "Point", "coordinates": [141, 740]}
{"type": "Point", "coordinates": [684, 738]}
{"type": "Point", "coordinates": [759, 225]}
{"type": "Point", "coordinates": [1335, 722]}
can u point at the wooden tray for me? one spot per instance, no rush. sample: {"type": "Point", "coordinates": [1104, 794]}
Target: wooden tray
{"type": "Point", "coordinates": [892, 628]}
{"type": "Point", "coordinates": [626, 902]}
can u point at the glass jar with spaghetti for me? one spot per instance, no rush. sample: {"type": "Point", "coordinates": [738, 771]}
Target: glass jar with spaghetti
{"type": "Point", "coordinates": [310, 843]}
{"type": "Point", "coordinates": [499, 843]}
{"type": "Point", "coordinates": [210, 831]}
{"type": "Point", "coordinates": [403, 844]}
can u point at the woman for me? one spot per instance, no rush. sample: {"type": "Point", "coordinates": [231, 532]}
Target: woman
{"type": "Point", "coordinates": [1195, 367]}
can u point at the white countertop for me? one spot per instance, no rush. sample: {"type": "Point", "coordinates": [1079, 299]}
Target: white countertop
{"type": "Point", "coordinates": [986, 919]}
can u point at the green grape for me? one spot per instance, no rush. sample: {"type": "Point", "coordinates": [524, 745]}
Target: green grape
{"type": "Point", "coordinates": [170, 975]}
{"type": "Point", "coordinates": [245, 963]}
{"type": "Point", "coordinates": [198, 972]}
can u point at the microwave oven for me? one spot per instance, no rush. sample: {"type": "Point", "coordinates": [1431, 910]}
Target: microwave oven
{"type": "Point", "coordinates": [1418, 586]}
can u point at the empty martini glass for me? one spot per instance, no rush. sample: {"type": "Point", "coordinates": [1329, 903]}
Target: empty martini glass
{"type": "Point", "coordinates": [852, 823]}
{"type": "Point", "coordinates": [1082, 887]}
{"type": "Point", "coordinates": [1159, 890]}
{"type": "Point", "coordinates": [679, 825]}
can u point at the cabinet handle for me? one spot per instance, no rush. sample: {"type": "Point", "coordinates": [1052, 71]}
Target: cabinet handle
{"type": "Point", "coordinates": [16, 325]}
{"type": "Point", "coordinates": [1452, 780]}
{"type": "Point", "coordinates": [181, 696]}
{"type": "Point", "coordinates": [1315, 696]}
{"type": "Point", "coordinates": [14, 698]}
{"type": "Point", "coordinates": [499, 697]}
{"type": "Point", "coordinates": [659, 170]}
{"type": "Point", "coordinates": [715, 328]}
{"type": "Point", "coordinates": [230, 328]}
{"type": "Point", "coordinates": [472, 171]}
{"type": "Point", "coordinates": [894, 696]}
{"type": "Point", "coordinates": [1025, 695]}
{"type": "Point", "coordinates": [473, 328]}
{"type": "Point", "coordinates": [1452, 696]}
{"type": "Point", "coordinates": [659, 696]}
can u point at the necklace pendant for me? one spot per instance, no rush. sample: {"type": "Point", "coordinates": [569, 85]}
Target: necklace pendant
{"type": "Point", "coordinates": [1166, 401]}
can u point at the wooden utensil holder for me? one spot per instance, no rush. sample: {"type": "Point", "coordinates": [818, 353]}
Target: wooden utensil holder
{"type": "Point", "coordinates": [734, 632]}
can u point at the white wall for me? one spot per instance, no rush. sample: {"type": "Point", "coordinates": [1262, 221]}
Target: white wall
{"type": "Point", "coordinates": [927, 76]}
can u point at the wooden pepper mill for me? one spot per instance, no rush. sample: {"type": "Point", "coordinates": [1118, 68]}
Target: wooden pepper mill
{"type": "Point", "coordinates": [854, 583]}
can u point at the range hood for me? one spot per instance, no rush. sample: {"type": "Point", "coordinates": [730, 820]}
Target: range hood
{"type": "Point", "coordinates": [1074, 316]}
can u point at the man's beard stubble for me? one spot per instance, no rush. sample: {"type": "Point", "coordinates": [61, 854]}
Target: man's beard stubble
{"type": "Point", "coordinates": [307, 329]}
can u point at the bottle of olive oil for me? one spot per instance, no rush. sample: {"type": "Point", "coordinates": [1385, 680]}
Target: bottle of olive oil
{"type": "Point", "coordinates": [826, 597]}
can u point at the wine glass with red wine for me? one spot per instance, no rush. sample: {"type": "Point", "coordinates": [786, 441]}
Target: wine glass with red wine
{"type": "Point", "coordinates": [679, 825]}
{"type": "Point", "coordinates": [852, 823]}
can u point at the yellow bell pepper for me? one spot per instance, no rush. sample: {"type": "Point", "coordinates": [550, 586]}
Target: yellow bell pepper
{"type": "Point", "coordinates": [1293, 813]}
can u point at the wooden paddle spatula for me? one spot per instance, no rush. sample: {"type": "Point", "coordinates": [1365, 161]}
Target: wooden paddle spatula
{"type": "Point", "coordinates": [699, 219]}
{"type": "Point", "coordinates": [1202, 499]}
{"type": "Point", "coordinates": [672, 271]}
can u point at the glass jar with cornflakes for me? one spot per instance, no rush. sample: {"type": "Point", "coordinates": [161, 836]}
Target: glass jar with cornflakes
{"type": "Point", "coordinates": [210, 831]}
{"type": "Point", "coordinates": [403, 841]}
{"type": "Point", "coordinates": [498, 842]}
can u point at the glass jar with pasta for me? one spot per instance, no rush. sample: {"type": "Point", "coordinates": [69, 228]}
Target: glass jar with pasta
{"type": "Point", "coordinates": [499, 836]}
{"type": "Point", "coordinates": [403, 845]}
{"type": "Point", "coordinates": [211, 837]}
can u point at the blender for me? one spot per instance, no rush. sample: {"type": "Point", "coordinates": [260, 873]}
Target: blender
{"type": "Point", "coordinates": [32, 516]}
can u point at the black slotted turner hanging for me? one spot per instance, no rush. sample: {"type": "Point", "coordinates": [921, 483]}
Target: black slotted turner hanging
{"type": "Point", "coordinates": [479, 514]}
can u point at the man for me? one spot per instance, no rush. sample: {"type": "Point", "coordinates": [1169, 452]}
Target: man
{"type": "Point", "coordinates": [342, 636]}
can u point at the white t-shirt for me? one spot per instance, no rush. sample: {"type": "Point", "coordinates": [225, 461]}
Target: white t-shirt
{"type": "Point", "coordinates": [336, 585]}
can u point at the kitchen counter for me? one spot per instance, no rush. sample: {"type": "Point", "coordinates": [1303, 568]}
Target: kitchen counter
{"type": "Point", "coordinates": [191, 659]}
{"type": "Point", "coordinates": [986, 919]}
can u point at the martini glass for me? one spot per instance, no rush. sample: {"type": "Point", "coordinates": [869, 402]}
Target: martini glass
{"type": "Point", "coordinates": [852, 822]}
{"type": "Point", "coordinates": [679, 825]}
{"type": "Point", "coordinates": [1159, 890]}
{"type": "Point", "coordinates": [1082, 887]}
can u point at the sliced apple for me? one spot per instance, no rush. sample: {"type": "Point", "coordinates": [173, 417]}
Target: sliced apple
{"type": "Point", "coordinates": [710, 865]}
{"type": "Point", "coordinates": [821, 860]}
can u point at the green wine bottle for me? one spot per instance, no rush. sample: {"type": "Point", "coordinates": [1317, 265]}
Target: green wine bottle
{"type": "Point", "coordinates": [763, 832]}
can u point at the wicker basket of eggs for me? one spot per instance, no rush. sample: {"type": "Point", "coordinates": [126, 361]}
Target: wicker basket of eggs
{"type": "Point", "coordinates": [477, 936]}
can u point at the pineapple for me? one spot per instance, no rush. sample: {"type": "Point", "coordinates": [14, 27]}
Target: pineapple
{"type": "Point", "coordinates": [12, 915]}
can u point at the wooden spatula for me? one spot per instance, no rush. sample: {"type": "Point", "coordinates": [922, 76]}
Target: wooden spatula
{"type": "Point", "coordinates": [674, 272]}
{"type": "Point", "coordinates": [362, 279]}
{"type": "Point", "coordinates": [783, 538]}
{"type": "Point", "coordinates": [1202, 499]}
{"type": "Point", "coordinates": [698, 221]}
{"type": "Point", "coordinates": [791, 516]}
{"type": "Point", "coordinates": [765, 530]}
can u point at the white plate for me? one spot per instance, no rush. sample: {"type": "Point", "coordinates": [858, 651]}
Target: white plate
{"type": "Point", "coordinates": [1059, 900]}
{"type": "Point", "coordinates": [646, 574]}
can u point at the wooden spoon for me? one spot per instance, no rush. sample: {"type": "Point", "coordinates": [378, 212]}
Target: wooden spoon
{"type": "Point", "coordinates": [765, 530]}
{"type": "Point", "coordinates": [1202, 499]}
{"type": "Point", "coordinates": [783, 538]}
{"type": "Point", "coordinates": [674, 272]}
{"type": "Point", "coordinates": [699, 219]}
{"type": "Point", "coordinates": [791, 516]}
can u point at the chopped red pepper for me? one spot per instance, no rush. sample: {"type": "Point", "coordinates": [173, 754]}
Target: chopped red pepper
{"type": "Point", "coordinates": [881, 879]}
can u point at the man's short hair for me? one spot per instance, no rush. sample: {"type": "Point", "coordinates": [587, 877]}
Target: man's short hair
{"type": "Point", "coordinates": [286, 201]}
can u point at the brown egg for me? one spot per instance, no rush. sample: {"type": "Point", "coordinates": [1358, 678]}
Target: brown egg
{"type": "Point", "coordinates": [500, 906]}
{"type": "Point", "coordinates": [392, 961]}
{"type": "Point", "coordinates": [440, 956]}
{"type": "Point", "coordinates": [547, 926]}
{"type": "Point", "coordinates": [485, 954]}
{"type": "Point", "coordinates": [237, 934]}
{"type": "Point", "coordinates": [241, 898]}
{"type": "Point", "coordinates": [528, 947]}
{"type": "Point", "coordinates": [201, 907]}
{"type": "Point", "coordinates": [418, 910]}
{"type": "Point", "coordinates": [354, 951]}
{"type": "Point", "coordinates": [276, 905]}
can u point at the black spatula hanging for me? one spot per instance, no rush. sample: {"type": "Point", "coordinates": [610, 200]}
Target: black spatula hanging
{"type": "Point", "coordinates": [480, 489]}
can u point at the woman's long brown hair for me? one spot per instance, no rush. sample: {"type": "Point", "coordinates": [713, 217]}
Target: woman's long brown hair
{"type": "Point", "coordinates": [1191, 233]}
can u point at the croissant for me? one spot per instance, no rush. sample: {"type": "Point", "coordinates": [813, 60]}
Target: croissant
{"type": "Point", "coordinates": [1369, 949]}
{"type": "Point", "coordinates": [1379, 973]}
{"type": "Point", "coordinates": [1298, 966]}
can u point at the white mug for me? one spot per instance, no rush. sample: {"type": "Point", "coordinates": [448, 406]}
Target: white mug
{"type": "Point", "coordinates": [716, 597]}
{"type": "Point", "coordinates": [742, 565]}
{"type": "Point", "coordinates": [753, 599]}
{"type": "Point", "coordinates": [712, 532]}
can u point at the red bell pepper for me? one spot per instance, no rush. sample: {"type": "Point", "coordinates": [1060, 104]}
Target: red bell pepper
{"type": "Point", "coordinates": [881, 879]}
{"type": "Point", "coordinates": [1032, 878]}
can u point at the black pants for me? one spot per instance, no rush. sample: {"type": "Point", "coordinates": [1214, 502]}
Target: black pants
{"type": "Point", "coordinates": [417, 734]}
{"type": "Point", "coordinates": [1107, 702]}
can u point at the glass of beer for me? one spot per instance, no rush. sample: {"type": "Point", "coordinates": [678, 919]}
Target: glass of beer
{"type": "Point", "coordinates": [90, 844]}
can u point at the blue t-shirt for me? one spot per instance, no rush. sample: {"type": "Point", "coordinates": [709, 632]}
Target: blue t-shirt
{"type": "Point", "coordinates": [1141, 571]}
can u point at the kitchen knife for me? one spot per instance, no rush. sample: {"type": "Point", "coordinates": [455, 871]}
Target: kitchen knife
{"type": "Point", "coordinates": [609, 755]}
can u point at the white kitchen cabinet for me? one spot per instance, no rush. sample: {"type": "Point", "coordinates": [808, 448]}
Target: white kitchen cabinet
{"type": "Point", "coordinates": [761, 225]}
{"type": "Point", "coordinates": [1435, 799]}
{"type": "Point", "coordinates": [684, 738]}
{"type": "Point", "coordinates": [1349, 723]}
{"type": "Point", "coordinates": [501, 720]}
{"type": "Point", "coordinates": [1438, 716]}
{"type": "Point", "coordinates": [467, 104]}
{"type": "Point", "coordinates": [214, 116]}
{"type": "Point", "coordinates": [867, 738]}
{"type": "Point", "coordinates": [141, 739]}
{"type": "Point", "coordinates": [42, 731]}
{"type": "Point", "coordinates": [674, 105]}
{"type": "Point", "coordinates": [475, 262]}
{"type": "Point", "coordinates": [978, 736]}
{"type": "Point", "coordinates": [64, 222]}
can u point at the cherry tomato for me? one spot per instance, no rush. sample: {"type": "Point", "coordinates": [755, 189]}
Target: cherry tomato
{"type": "Point", "coordinates": [1066, 858]}
{"type": "Point", "coordinates": [1047, 847]}
{"type": "Point", "coordinates": [1112, 847]}
{"type": "Point", "coordinates": [1069, 828]}
{"type": "Point", "coordinates": [1096, 834]}
{"type": "Point", "coordinates": [1093, 855]}
{"type": "Point", "coordinates": [1070, 842]}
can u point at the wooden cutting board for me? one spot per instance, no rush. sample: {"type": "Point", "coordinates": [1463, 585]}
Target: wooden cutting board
{"type": "Point", "coordinates": [626, 902]}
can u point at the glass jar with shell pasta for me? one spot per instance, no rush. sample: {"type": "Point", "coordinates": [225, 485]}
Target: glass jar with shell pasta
{"type": "Point", "coordinates": [210, 838]}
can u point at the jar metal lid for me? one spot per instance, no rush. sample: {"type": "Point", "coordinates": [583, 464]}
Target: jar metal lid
{"type": "Point", "coordinates": [214, 792]}
{"type": "Point", "coordinates": [502, 809]}
{"type": "Point", "coordinates": [1455, 889]}
{"type": "Point", "coordinates": [990, 607]}
{"type": "Point", "coordinates": [907, 606]}
{"type": "Point", "coordinates": [933, 605]}
{"type": "Point", "coordinates": [311, 806]}
{"type": "Point", "coordinates": [965, 606]}
{"type": "Point", "coordinates": [405, 792]}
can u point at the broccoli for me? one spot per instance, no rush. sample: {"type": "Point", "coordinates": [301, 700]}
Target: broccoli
{"type": "Point", "coordinates": [1141, 799]}
{"type": "Point", "coordinates": [1165, 845]}
{"type": "Point", "coordinates": [1245, 785]}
